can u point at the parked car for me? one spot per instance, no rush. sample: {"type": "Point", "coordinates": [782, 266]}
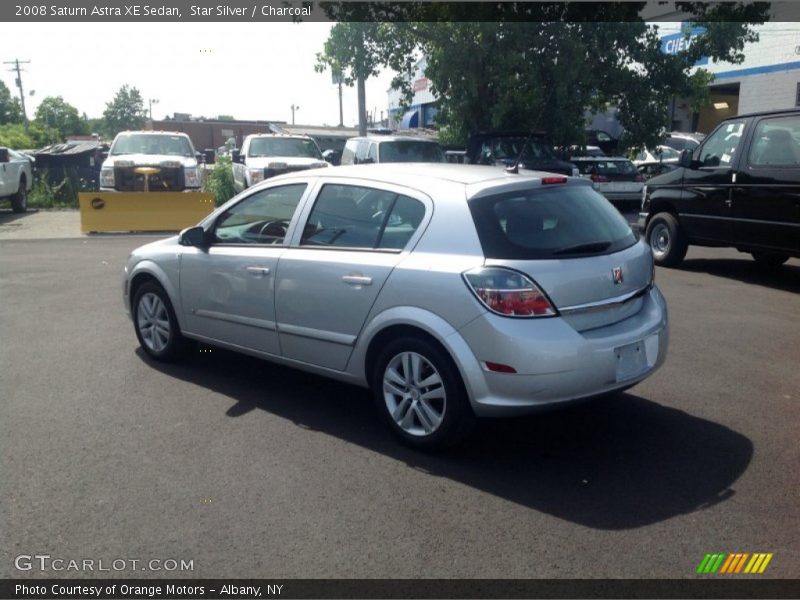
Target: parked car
{"type": "Point", "coordinates": [651, 169]}
{"type": "Point", "coordinates": [739, 188]}
{"type": "Point", "coordinates": [658, 154]}
{"type": "Point", "coordinates": [545, 296]}
{"type": "Point", "coordinates": [679, 140]}
{"type": "Point", "coordinates": [265, 155]}
{"type": "Point", "coordinates": [503, 149]}
{"type": "Point", "coordinates": [614, 177]}
{"type": "Point", "coordinates": [16, 178]}
{"type": "Point", "coordinates": [603, 140]}
{"type": "Point", "coordinates": [576, 151]}
{"type": "Point", "coordinates": [163, 161]}
{"type": "Point", "coordinates": [391, 149]}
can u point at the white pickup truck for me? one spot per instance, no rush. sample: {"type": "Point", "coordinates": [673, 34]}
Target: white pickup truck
{"type": "Point", "coordinates": [170, 156]}
{"type": "Point", "coordinates": [16, 178]}
{"type": "Point", "coordinates": [265, 155]}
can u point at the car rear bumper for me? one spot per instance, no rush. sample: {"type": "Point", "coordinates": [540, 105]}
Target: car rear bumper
{"type": "Point", "coordinates": [555, 364]}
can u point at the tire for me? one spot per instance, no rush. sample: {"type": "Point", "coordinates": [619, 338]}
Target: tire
{"type": "Point", "coordinates": [441, 420]}
{"type": "Point", "coordinates": [666, 240]}
{"type": "Point", "coordinates": [19, 202]}
{"type": "Point", "coordinates": [155, 323]}
{"type": "Point", "coordinates": [771, 260]}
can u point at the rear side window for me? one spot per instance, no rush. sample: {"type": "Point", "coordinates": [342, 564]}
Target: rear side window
{"type": "Point", "coordinates": [350, 216]}
{"type": "Point", "coordinates": [549, 222]}
{"type": "Point", "coordinates": [776, 143]}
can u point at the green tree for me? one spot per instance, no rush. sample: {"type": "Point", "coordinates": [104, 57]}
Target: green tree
{"type": "Point", "coordinates": [14, 135]}
{"type": "Point", "coordinates": [60, 118]}
{"type": "Point", "coordinates": [542, 65]}
{"type": "Point", "coordinates": [358, 51]}
{"type": "Point", "coordinates": [125, 111]}
{"type": "Point", "coordinates": [10, 108]}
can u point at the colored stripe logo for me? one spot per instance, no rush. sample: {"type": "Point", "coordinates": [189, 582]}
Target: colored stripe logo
{"type": "Point", "coordinates": [735, 563]}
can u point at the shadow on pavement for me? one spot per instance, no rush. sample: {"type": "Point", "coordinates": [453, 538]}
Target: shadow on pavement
{"type": "Point", "coordinates": [746, 270]}
{"type": "Point", "coordinates": [8, 217]}
{"type": "Point", "coordinates": [616, 463]}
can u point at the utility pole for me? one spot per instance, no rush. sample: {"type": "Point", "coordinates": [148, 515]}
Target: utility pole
{"type": "Point", "coordinates": [294, 108]}
{"type": "Point", "coordinates": [338, 78]}
{"type": "Point", "coordinates": [152, 101]}
{"type": "Point", "coordinates": [16, 62]}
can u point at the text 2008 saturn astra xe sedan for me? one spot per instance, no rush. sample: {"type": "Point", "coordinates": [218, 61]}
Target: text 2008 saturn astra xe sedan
{"type": "Point", "coordinates": [451, 291]}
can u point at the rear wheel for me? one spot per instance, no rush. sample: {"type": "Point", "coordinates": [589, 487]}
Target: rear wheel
{"type": "Point", "coordinates": [420, 393]}
{"type": "Point", "coordinates": [666, 240]}
{"type": "Point", "coordinates": [19, 202]}
{"type": "Point", "coordinates": [155, 323]}
{"type": "Point", "coordinates": [771, 260]}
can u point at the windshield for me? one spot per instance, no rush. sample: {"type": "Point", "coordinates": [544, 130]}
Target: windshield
{"type": "Point", "coordinates": [411, 151]}
{"type": "Point", "coordinates": [549, 222]}
{"type": "Point", "coordinates": [144, 143]}
{"type": "Point", "coordinates": [298, 147]}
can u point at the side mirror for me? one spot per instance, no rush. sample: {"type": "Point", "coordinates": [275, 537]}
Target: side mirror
{"type": "Point", "coordinates": [193, 236]}
{"type": "Point", "coordinates": [210, 156]}
{"type": "Point", "coordinates": [198, 156]}
{"type": "Point", "coordinates": [686, 158]}
{"type": "Point", "coordinates": [4, 157]}
{"type": "Point", "coordinates": [236, 156]}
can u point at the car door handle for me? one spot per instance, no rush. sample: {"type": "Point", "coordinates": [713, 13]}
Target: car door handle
{"type": "Point", "coordinates": [357, 279]}
{"type": "Point", "coordinates": [258, 270]}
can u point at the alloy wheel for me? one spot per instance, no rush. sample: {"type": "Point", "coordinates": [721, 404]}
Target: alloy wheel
{"type": "Point", "coordinates": [152, 319]}
{"type": "Point", "coordinates": [414, 393]}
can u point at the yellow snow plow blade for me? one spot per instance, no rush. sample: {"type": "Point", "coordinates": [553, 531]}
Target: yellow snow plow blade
{"type": "Point", "coordinates": [142, 211]}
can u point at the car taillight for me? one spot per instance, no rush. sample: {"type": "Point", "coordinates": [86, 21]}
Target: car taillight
{"type": "Point", "coordinates": [508, 293]}
{"type": "Point", "coordinates": [552, 180]}
{"type": "Point", "coordinates": [639, 178]}
{"type": "Point", "coordinates": [599, 178]}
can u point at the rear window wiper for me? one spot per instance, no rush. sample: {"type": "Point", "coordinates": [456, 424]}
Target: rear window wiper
{"type": "Point", "coordinates": [581, 248]}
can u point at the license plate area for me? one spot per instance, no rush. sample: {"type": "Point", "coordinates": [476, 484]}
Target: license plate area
{"type": "Point", "coordinates": [631, 360]}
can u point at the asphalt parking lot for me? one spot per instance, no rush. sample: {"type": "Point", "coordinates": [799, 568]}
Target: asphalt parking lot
{"type": "Point", "coordinates": [255, 470]}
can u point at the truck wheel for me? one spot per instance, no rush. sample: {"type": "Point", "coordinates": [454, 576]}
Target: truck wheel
{"type": "Point", "coordinates": [19, 202]}
{"type": "Point", "coordinates": [666, 240]}
{"type": "Point", "coordinates": [771, 260]}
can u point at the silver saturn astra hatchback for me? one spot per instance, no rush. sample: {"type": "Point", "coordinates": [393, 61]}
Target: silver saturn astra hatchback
{"type": "Point", "coordinates": [451, 291]}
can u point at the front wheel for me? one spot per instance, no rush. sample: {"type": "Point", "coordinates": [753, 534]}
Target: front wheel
{"type": "Point", "coordinates": [666, 239]}
{"type": "Point", "coordinates": [19, 203]}
{"type": "Point", "coordinates": [155, 323]}
{"type": "Point", "coordinates": [420, 393]}
{"type": "Point", "coordinates": [771, 260]}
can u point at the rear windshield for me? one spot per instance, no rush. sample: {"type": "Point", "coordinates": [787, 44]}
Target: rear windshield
{"type": "Point", "coordinates": [297, 147]}
{"type": "Point", "coordinates": [411, 151]}
{"type": "Point", "coordinates": [549, 222]}
{"type": "Point", "coordinates": [606, 167]}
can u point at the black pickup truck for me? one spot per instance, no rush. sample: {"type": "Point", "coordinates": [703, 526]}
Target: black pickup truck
{"type": "Point", "coordinates": [503, 149]}
{"type": "Point", "coordinates": [739, 188]}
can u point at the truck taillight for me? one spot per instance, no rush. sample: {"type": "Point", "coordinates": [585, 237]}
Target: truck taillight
{"type": "Point", "coordinates": [508, 293]}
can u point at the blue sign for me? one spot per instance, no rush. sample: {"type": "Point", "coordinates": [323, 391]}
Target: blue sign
{"type": "Point", "coordinates": [678, 42]}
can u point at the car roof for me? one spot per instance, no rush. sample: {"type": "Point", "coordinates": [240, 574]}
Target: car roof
{"type": "Point", "coordinates": [279, 135]}
{"type": "Point", "coordinates": [152, 132]}
{"type": "Point", "coordinates": [393, 138]}
{"type": "Point", "coordinates": [598, 158]}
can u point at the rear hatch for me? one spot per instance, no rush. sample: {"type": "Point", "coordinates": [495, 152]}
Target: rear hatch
{"type": "Point", "coordinates": [573, 244]}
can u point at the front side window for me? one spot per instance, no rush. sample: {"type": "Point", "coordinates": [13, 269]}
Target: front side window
{"type": "Point", "coordinates": [776, 143]}
{"type": "Point", "coordinates": [262, 218]}
{"type": "Point", "coordinates": [549, 222]}
{"type": "Point", "coordinates": [348, 216]}
{"type": "Point", "coordinates": [720, 148]}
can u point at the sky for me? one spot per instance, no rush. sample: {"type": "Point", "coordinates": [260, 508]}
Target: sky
{"type": "Point", "coordinates": [247, 70]}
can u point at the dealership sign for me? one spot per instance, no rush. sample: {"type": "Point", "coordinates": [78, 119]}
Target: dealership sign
{"type": "Point", "coordinates": [679, 42]}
